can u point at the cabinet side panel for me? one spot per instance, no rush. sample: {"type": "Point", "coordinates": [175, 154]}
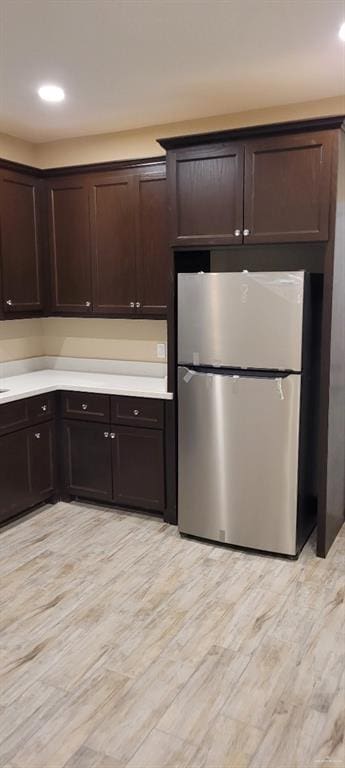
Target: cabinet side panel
{"type": "Point", "coordinates": [332, 477]}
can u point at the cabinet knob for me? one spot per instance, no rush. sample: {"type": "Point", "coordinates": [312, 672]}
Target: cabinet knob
{"type": "Point", "coordinates": [88, 303]}
{"type": "Point", "coordinates": [138, 304]}
{"type": "Point", "coordinates": [37, 435]}
{"type": "Point", "coordinates": [246, 232]}
{"type": "Point", "coordinates": [44, 408]}
{"type": "Point", "coordinates": [84, 406]}
{"type": "Point", "coordinates": [136, 412]}
{"type": "Point", "coordinates": [9, 302]}
{"type": "Point", "coordinates": [112, 435]}
{"type": "Point", "coordinates": [131, 304]}
{"type": "Point", "coordinates": [106, 434]}
{"type": "Point", "coordinates": [237, 232]}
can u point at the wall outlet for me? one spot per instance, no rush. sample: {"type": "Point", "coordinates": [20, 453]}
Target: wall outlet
{"type": "Point", "coordinates": [161, 351]}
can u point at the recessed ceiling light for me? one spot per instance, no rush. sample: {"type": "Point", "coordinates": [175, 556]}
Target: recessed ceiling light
{"type": "Point", "coordinates": [51, 93]}
{"type": "Point", "coordinates": [342, 32]}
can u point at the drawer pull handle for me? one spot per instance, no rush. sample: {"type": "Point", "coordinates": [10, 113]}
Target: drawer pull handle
{"type": "Point", "coordinates": [9, 302]}
{"type": "Point", "coordinates": [112, 435]}
{"type": "Point", "coordinates": [136, 412]}
{"type": "Point", "coordinates": [37, 435]}
{"type": "Point", "coordinates": [84, 406]}
{"type": "Point", "coordinates": [44, 408]}
{"type": "Point", "coordinates": [106, 434]}
{"type": "Point", "coordinates": [88, 303]}
{"type": "Point", "coordinates": [138, 304]}
{"type": "Point", "coordinates": [131, 304]}
{"type": "Point", "coordinates": [246, 232]}
{"type": "Point", "coordinates": [237, 232]}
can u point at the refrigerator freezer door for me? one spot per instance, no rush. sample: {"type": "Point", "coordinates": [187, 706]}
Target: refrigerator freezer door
{"type": "Point", "coordinates": [238, 459]}
{"type": "Point", "coordinates": [241, 320]}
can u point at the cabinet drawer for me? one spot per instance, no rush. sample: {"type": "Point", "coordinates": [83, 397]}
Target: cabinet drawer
{"type": "Point", "coordinates": [83, 405]}
{"type": "Point", "coordinates": [41, 407]}
{"type": "Point", "coordinates": [13, 416]}
{"type": "Point", "coordinates": [139, 411]}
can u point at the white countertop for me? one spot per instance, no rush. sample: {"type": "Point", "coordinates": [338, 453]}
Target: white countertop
{"type": "Point", "coordinates": [39, 382]}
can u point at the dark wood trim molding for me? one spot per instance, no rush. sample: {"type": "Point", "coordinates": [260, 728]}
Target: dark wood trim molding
{"type": "Point", "coordinates": [292, 126]}
{"type": "Point", "coordinates": [70, 170]}
{"type": "Point", "coordinates": [12, 165]}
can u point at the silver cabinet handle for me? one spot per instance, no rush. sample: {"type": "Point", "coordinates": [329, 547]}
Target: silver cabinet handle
{"type": "Point", "coordinates": [112, 435]}
{"type": "Point", "coordinates": [246, 232]}
{"type": "Point", "coordinates": [88, 303]}
{"type": "Point", "coordinates": [136, 412]}
{"type": "Point", "coordinates": [44, 408]}
{"type": "Point", "coordinates": [237, 232]}
{"type": "Point", "coordinates": [106, 434]}
{"type": "Point", "coordinates": [84, 406]}
{"type": "Point", "coordinates": [37, 435]}
{"type": "Point", "coordinates": [138, 304]}
{"type": "Point", "coordinates": [131, 304]}
{"type": "Point", "coordinates": [9, 302]}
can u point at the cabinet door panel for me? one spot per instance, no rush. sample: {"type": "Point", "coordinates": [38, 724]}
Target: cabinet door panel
{"type": "Point", "coordinates": [138, 468]}
{"type": "Point", "coordinates": [15, 479]}
{"type": "Point", "coordinates": [113, 245]}
{"type": "Point", "coordinates": [287, 188]}
{"type": "Point", "coordinates": [70, 246]}
{"type": "Point", "coordinates": [87, 460]}
{"type": "Point", "coordinates": [206, 194]}
{"type": "Point", "coordinates": [153, 253]}
{"type": "Point", "coordinates": [20, 243]}
{"type": "Point", "coordinates": [42, 460]}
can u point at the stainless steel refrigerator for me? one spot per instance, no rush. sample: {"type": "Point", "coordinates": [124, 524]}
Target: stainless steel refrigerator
{"type": "Point", "coordinates": [240, 352]}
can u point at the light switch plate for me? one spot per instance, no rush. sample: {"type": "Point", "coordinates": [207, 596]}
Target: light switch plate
{"type": "Point", "coordinates": [161, 354]}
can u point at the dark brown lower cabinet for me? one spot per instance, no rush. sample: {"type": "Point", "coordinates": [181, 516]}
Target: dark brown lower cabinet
{"type": "Point", "coordinates": [42, 460]}
{"type": "Point", "coordinates": [15, 482]}
{"type": "Point", "coordinates": [27, 469]}
{"type": "Point", "coordinates": [138, 467]}
{"type": "Point", "coordinates": [121, 464]}
{"type": "Point", "coordinates": [87, 460]}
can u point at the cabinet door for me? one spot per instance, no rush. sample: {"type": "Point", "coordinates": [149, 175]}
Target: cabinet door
{"type": "Point", "coordinates": [287, 188]}
{"type": "Point", "coordinates": [20, 243]}
{"type": "Point", "coordinates": [113, 244]}
{"type": "Point", "coordinates": [153, 253]}
{"type": "Point", "coordinates": [87, 460]}
{"type": "Point", "coordinates": [42, 460]}
{"type": "Point", "coordinates": [138, 467]}
{"type": "Point", "coordinates": [15, 479]}
{"type": "Point", "coordinates": [206, 194]}
{"type": "Point", "coordinates": [69, 230]}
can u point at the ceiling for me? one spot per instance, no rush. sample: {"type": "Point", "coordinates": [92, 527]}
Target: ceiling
{"type": "Point", "coordinates": [132, 63]}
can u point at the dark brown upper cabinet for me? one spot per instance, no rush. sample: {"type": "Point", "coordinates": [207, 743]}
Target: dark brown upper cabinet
{"type": "Point", "coordinates": [113, 244]}
{"type": "Point", "coordinates": [287, 188]}
{"type": "Point", "coordinates": [274, 189]}
{"type": "Point", "coordinates": [70, 247]}
{"type": "Point", "coordinates": [20, 244]}
{"type": "Point", "coordinates": [206, 194]}
{"type": "Point", "coordinates": [153, 254]}
{"type": "Point", "coordinates": [109, 243]}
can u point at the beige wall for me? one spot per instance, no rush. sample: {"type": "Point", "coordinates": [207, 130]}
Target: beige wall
{"type": "Point", "coordinates": [103, 338]}
{"type": "Point", "coordinates": [20, 339]}
{"type": "Point", "coordinates": [16, 149]}
{"type": "Point", "coordinates": [142, 143]}
{"type": "Point", "coordinates": [81, 337]}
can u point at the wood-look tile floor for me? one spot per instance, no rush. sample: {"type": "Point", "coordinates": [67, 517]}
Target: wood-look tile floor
{"type": "Point", "coordinates": [123, 644]}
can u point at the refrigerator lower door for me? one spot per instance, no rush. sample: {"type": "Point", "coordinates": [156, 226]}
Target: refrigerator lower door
{"type": "Point", "coordinates": [238, 459]}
